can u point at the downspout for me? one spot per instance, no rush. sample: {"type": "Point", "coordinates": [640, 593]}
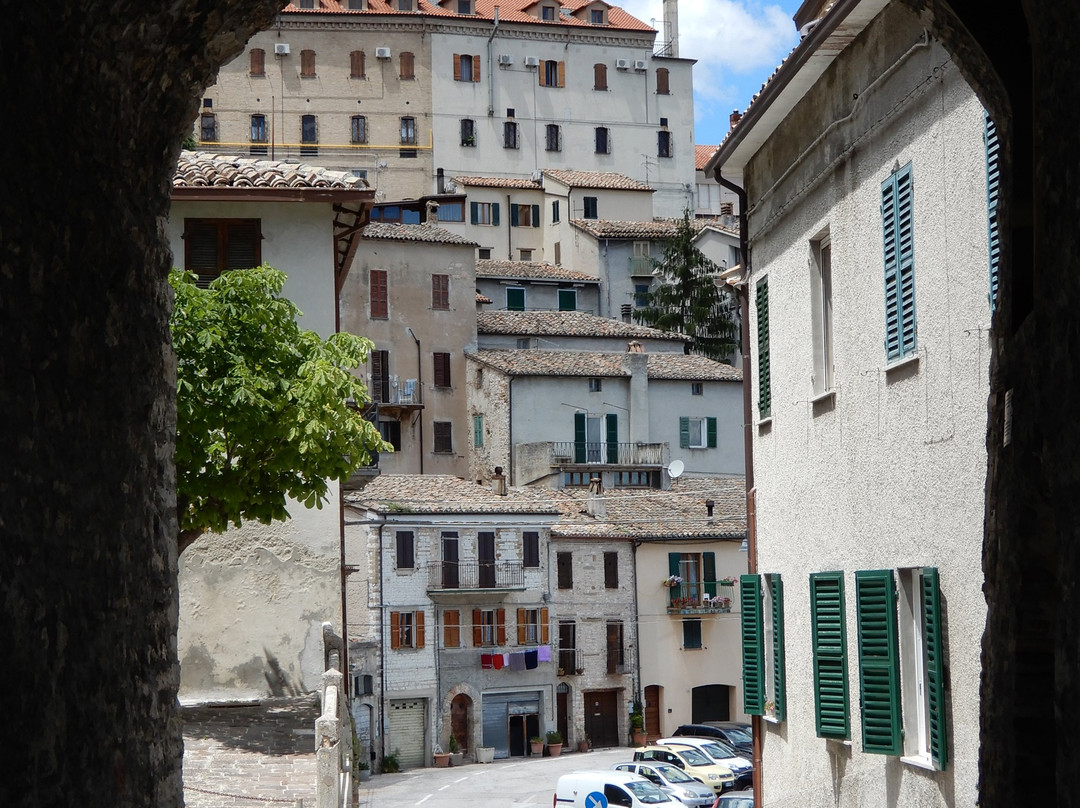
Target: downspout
{"type": "Point", "coordinates": [420, 387]}
{"type": "Point", "coordinates": [382, 647]}
{"type": "Point", "coordinates": [509, 232]}
{"type": "Point", "coordinates": [510, 431]}
{"type": "Point", "coordinates": [637, 634]}
{"type": "Point", "coordinates": [491, 62]}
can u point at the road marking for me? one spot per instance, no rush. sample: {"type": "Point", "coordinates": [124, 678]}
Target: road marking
{"type": "Point", "coordinates": [446, 787]}
{"type": "Point", "coordinates": [461, 779]}
{"type": "Point", "coordinates": [425, 799]}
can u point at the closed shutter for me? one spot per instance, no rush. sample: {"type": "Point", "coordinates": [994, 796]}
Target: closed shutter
{"type": "Point", "coordinates": [307, 63]}
{"type": "Point", "coordinates": [612, 438]}
{"type": "Point", "coordinates": [710, 432]}
{"type": "Point", "coordinates": [579, 437]}
{"type": "Point", "coordinates": [258, 62]}
{"type": "Point", "coordinates": [356, 65]}
{"type": "Point", "coordinates": [829, 639]}
{"type": "Point", "coordinates": [896, 222]}
{"type": "Point", "coordinates": [879, 661]}
{"type": "Point", "coordinates": [379, 292]}
{"type": "Point", "coordinates": [418, 629]}
{"type": "Point", "coordinates": [562, 74]}
{"type": "Point", "coordinates": [474, 212]}
{"type": "Point", "coordinates": [776, 591]}
{"type": "Point", "coordinates": [708, 571]}
{"type": "Point", "coordinates": [515, 215]}
{"type": "Point", "coordinates": [201, 248]}
{"type": "Point", "coordinates": [451, 628]}
{"type": "Point", "coordinates": [477, 628]}
{"type": "Point", "coordinates": [521, 619]}
{"type": "Point", "coordinates": [395, 630]}
{"type": "Point", "coordinates": [993, 192]}
{"type": "Point", "coordinates": [535, 215]}
{"type": "Point", "coordinates": [614, 647]}
{"type": "Point", "coordinates": [764, 370]}
{"type": "Point", "coordinates": [935, 667]}
{"type": "Point", "coordinates": [441, 362]}
{"type": "Point", "coordinates": [457, 67]}
{"type": "Point", "coordinates": [753, 648]}
{"type": "Point", "coordinates": [407, 732]}
{"type": "Point", "coordinates": [495, 214]}
{"type": "Point", "coordinates": [600, 76]}
{"type": "Point", "coordinates": [500, 626]}
{"type": "Point", "coordinates": [476, 68]}
{"type": "Point", "coordinates": [684, 432]}
{"type": "Point", "coordinates": [545, 631]}
{"type": "Point", "coordinates": [406, 65]}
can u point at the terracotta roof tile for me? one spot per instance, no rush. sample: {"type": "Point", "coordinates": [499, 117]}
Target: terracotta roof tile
{"type": "Point", "coordinates": [204, 170]}
{"type": "Point", "coordinates": [565, 324]}
{"type": "Point", "coordinates": [492, 268]}
{"type": "Point", "coordinates": [429, 233]}
{"type": "Point", "coordinates": [609, 228]}
{"type": "Point", "coordinates": [596, 179]}
{"type": "Point", "coordinates": [691, 367]}
{"type": "Point", "coordinates": [702, 155]}
{"type": "Point", "coordinates": [498, 182]}
{"type": "Point", "coordinates": [482, 298]}
{"type": "Point", "coordinates": [666, 366]}
{"type": "Point", "coordinates": [440, 493]}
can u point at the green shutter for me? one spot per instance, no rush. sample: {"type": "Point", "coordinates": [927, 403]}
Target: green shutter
{"type": "Point", "coordinates": [684, 432]}
{"type": "Point", "coordinates": [993, 191]}
{"type": "Point", "coordinates": [753, 645]}
{"type": "Point", "coordinates": [612, 437]}
{"type": "Point", "coordinates": [708, 573]}
{"type": "Point", "coordinates": [899, 240]}
{"type": "Point", "coordinates": [495, 214]}
{"type": "Point", "coordinates": [829, 638]}
{"type": "Point", "coordinates": [879, 662]}
{"type": "Point", "coordinates": [673, 565]}
{"type": "Point", "coordinates": [579, 437]}
{"type": "Point", "coordinates": [935, 667]}
{"type": "Point", "coordinates": [764, 373]}
{"type": "Point", "coordinates": [535, 215]}
{"type": "Point", "coordinates": [776, 591]}
{"type": "Point", "coordinates": [710, 432]}
{"type": "Point", "coordinates": [474, 212]}
{"type": "Point", "coordinates": [515, 216]}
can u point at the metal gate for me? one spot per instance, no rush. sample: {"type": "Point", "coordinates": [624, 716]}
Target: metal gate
{"type": "Point", "coordinates": [406, 738]}
{"type": "Point", "coordinates": [499, 709]}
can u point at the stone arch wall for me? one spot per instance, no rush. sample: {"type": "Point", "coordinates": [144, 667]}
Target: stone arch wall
{"type": "Point", "coordinates": [474, 717]}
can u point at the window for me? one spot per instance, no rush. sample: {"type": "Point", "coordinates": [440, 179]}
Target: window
{"type": "Point", "coordinates": [552, 73]}
{"type": "Point", "coordinates": [258, 62]}
{"type": "Point", "coordinates": [208, 127]}
{"type": "Point", "coordinates": [773, 647]}
{"type": "Point", "coordinates": [213, 246]}
{"type": "Point", "coordinates": [378, 291]}
{"type": "Point", "coordinates": [358, 129]}
{"type": "Point", "coordinates": [390, 431]}
{"type": "Point", "coordinates": [641, 294]}
{"type": "Point", "coordinates": [464, 7]}
{"type": "Point", "coordinates": [444, 443]}
{"type": "Point", "coordinates": [468, 132]}
{"type": "Point", "coordinates": [451, 628]}
{"type": "Point", "coordinates": [662, 85]}
{"type": "Point", "coordinates": [532, 627]}
{"type": "Point", "coordinates": [993, 191]}
{"type": "Point", "coordinates": [568, 300]}
{"type": "Point", "coordinates": [356, 5]}
{"type": "Point", "coordinates": [405, 5]}
{"type": "Point", "coordinates": [356, 65]}
{"type": "Point", "coordinates": [405, 65]}
{"type": "Point", "coordinates": [697, 572]}
{"type": "Point", "coordinates": [530, 549]}
{"type": "Point", "coordinates": [879, 661]}
{"type": "Point", "coordinates": [596, 438]}
{"type": "Point", "coordinates": [515, 298]}
{"type": "Point", "coordinates": [821, 314]}
{"type": "Point", "coordinates": [596, 385]}
{"type": "Point", "coordinates": [691, 634]}
{"type": "Point", "coordinates": [307, 4]}
{"type": "Point", "coordinates": [452, 212]}
{"type": "Point", "coordinates": [552, 139]}
{"type": "Point", "coordinates": [896, 223]}
{"type": "Point", "coordinates": [380, 376]}
{"type": "Point", "coordinates": [309, 136]}
{"type": "Point", "coordinates": [408, 131]}
{"type": "Point", "coordinates": [922, 667]}
{"type": "Point", "coordinates": [555, 211]}
{"type": "Point", "coordinates": [441, 363]}
{"type": "Point", "coordinates": [697, 433]}
{"type": "Point", "coordinates": [466, 67]}
{"type": "Point", "coordinates": [611, 570]}
{"type": "Point", "coordinates": [829, 642]}
{"type": "Point", "coordinates": [568, 662]}
{"type": "Point", "coordinates": [603, 135]}
{"type": "Point", "coordinates": [510, 135]}
{"type": "Point", "coordinates": [307, 64]}
{"type": "Point", "coordinates": [589, 203]}
{"type": "Point", "coordinates": [599, 76]}
{"type": "Point", "coordinates": [547, 13]}
{"type": "Point", "coordinates": [524, 343]}
{"type": "Point", "coordinates": [558, 253]}
{"type": "Point", "coordinates": [489, 627]}
{"type": "Point", "coordinates": [564, 570]}
{"type": "Point", "coordinates": [478, 431]}
{"type": "Point", "coordinates": [761, 304]}
{"type": "Point", "coordinates": [258, 133]}
{"type": "Point", "coordinates": [363, 684]}
{"type": "Point", "coordinates": [483, 253]}
{"type": "Point", "coordinates": [596, 16]}
{"type": "Point", "coordinates": [484, 213]}
{"type": "Point", "coordinates": [524, 215]}
{"type": "Point", "coordinates": [634, 479]}
{"type": "Point", "coordinates": [406, 629]}
{"type": "Point", "coordinates": [440, 292]}
{"type": "Point", "coordinates": [697, 388]}
{"type": "Point", "coordinates": [663, 143]}
{"type": "Point", "coordinates": [404, 556]}
{"type": "Point", "coordinates": [525, 255]}
{"type": "Point", "coordinates": [616, 650]}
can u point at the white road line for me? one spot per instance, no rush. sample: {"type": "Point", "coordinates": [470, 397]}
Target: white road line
{"type": "Point", "coordinates": [425, 799]}
{"type": "Point", "coordinates": [461, 779]}
{"type": "Point", "coordinates": [446, 787]}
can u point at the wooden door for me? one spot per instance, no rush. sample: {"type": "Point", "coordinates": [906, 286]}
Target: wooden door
{"type": "Point", "coordinates": [602, 717]}
{"type": "Point", "coordinates": [450, 578]}
{"type": "Point", "coordinates": [652, 712]}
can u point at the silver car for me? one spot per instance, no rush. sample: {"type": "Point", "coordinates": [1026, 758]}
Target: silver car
{"type": "Point", "coordinates": [673, 781]}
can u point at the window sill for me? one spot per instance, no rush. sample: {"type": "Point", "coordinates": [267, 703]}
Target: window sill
{"type": "Point", "coordinates": [771, 719]}
{"type": "Point", "coordinates": [766, 421]}
{"type": "Point", "coordinates": [899, 364]}
{"type": "Point", "coordinates": [826, 396]}
{"type": "Point", "coordinates": [919, 762]}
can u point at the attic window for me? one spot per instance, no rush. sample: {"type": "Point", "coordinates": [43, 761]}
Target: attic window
{"type": "Point", "coordinates": [307, 4]}
{"type": "Point", "coordinates": [596, 16]}
{"type": "Point", "coordinates": [547, 13]}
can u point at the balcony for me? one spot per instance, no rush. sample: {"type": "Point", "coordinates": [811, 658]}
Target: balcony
{"type": "Point", "coordinates": [565, 453]}
{"type": "Point", "coordinates": [395, 398]}
{"type": "Point", "coordinates": [450, 577]}
{"type": "Point", "coordinates": [701, 597]}
{"type": "Point", "coordinates": [641, 265]}
{"type": "Point", "coordinates": [569, 661]}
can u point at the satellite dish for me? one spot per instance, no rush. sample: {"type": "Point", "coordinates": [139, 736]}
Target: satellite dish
{"type": "Point", "coordinates": [675, 469]}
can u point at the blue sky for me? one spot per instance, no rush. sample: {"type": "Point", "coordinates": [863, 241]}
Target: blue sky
{"type": "Point", "coordinates": [737, 45]}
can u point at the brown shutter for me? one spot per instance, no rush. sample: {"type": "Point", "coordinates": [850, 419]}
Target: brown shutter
{"type": "Point", "coordinates": [377, 281]}
{"type": "Point", "coordinates": [406, 62]}
{"type": "Point", "coordinates": [662, 87]}
{"type": "Point", "coordinates": [500, 625]}
{"type": "Point", "coordinates": [613, 637]}
{"type": "Point", "coordinates": [521, 626]}
{"type": "Point", "coordinates": [545, 637]}
{"type": "Point", "coordinates": [356, 64]}
{"type": "Point", "coordinates": [542, 71]}
{"type": "Point", "coordinates": [307, 63]}
{"type": "Point", "coordinates": [451, 628]}
{"type": "Point", "coordinates": [418, 632]}
{"type": "Point", "coordinates": [477, 629]}
{"type": "Point", "coordinates": [395, 630]}
{"type": "Point", "coordinates": [600, 76]}
{"type": "Point", "coordinates": [258, 62]}
{"type": "Point", "coordinates": [457, 67]}
{"type": "Point", "coordinates": [476, 67]}
{"type": "Point", "coordinates": [562, 74]}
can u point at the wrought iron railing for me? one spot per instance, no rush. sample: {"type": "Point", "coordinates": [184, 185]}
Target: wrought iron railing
{"type": "Point", "coordinates": [605, 453]}
{"type": "Point", "coordinates": [569, 661]}
{"type": "Point", "coordinates": [449, 575]}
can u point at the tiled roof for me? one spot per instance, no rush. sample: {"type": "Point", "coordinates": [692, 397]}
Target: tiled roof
{"type": "Point", "coordinates": [204, 170]}
{"type": "Point", "coordinates": [498, 182]}
{"type": "Point", "coordinates": [642, 513]}
{"type": "Point", "coordinates": [565, 324]}
{"type": "Point", "coordinates": [413, 232]}
{"type": "Point", "coordinates": [702, 155]}
{"type": "Point", "coordinates": [596, 179]}
{"type": "Point", "coordinates": [440, 493]}
{"type": "Point", "coordinates": [492, 268]}
{"type": "Point", "coordinates": [482, 298]}
{"type": "Point", "coordinates": [667, 366]}
{"type": "Point", "coordinates": [691, 367]}
{"type": "Point", "coordinates": [509, 11]}
{"type": "Point", "coordinates": [609, 228]}
{"type": "Point", "coordinates": [717, 224]}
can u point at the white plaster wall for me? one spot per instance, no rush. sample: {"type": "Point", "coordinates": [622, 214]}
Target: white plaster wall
{"type": "Point", "coordinates": [540, 296]}
{"type": "Point", "coordinates": [670, 400]}
{"type": "Point", "coordinates": [538, 412]}
{"type": "Point", "coordinates": [891, 475]}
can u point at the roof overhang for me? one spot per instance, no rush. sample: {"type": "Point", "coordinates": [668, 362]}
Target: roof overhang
{"type": "Point", "coordinates": [231, 194]}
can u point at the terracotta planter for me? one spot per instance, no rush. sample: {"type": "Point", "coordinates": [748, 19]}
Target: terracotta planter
{"type": "Point", "coordinates": [554, 749]}
{"type": "Point", "coordinates": [638, 737]}
{"type": "Point", "coordinates": [442, 760]}
{"type": "Point", "coordinates": [583, 746]}
{"type": "Point", "coordinates": [537, 749]}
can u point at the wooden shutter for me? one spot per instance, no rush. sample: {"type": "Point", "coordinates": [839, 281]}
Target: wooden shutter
{"type": "Point", "coordinates": [562, 74]}
{"type": "Point", "coordinates": [474, 212]}
{"type": "Point", "coordinates": [405, 62]}
{"type": "Point", "coordinates": [993, 194]}
{"type": "Point", "coordinates": [457, 67]}
{"type": "Point", "coordinates": [935, 667]}
{"type": "Point", "coordinates": [535, 215]}
{"type": "Point", "coordinates": [545, 631]}
{"type": "Point", "coordinates": [614, 646]}
{"type": "Point", "coordinates": [684, 432]}
{"type": "Point", "coordinates": [500, 626]}
{"type": "Point", "coordinates": [579, 437]}
{"type": "Point", "coordinates": [542, 73]}
{"type": "Point", "coordinates": [258, 62]}
{"type": "Point", "coordinates": [441, 365]}
{"type": "Point", "coordinates": [776, 590]}
{"type": "Point", "coordinates": [451, 628]}
{"type": "Point", "coordinates": [476, 67]}
{"type": "Point", "coordinates": [662, 86]}
{"type": "Point", "coordinates": [879, 661]}
{"type": "Point", "coordinates": [418, 629]}
{"type": "Point", "coordinates": [612, 437]}
{"type": "Point", "coordinates": [494, 214]}
{"type": "Point", "coordinates": [395, 630]}
{"type": "Point", "coordinates": [600, 76]}
{"type": "Point", "coordinates": [710, 432]}
{"type": "Point", "coordinates": [515, 215]}
{"type": "Point", "coordinates": [611, 570]}
{"type": "Point", "coordinates": [243, 241]}
{"type": "Point", "coordinates": [521, 620]}
{"type": "Point", "coordinates": [379, 291]}
{"type": "Point", "coordinates": [896, 222]}
{"type": "Point", "coordinates": [477, 628]}
{"type": "Point", "coordinates": [753, 645]}
{"type": "Point", "coordinates": [307, 63]}
{"type": "Point", "coordinates": [708, 573]}
{"type": "Point", "coordinates": [764, 374]}
{"type": "Point", "coordinates": [829, 639]}
{"type": "Point", "coordinates": [201, 247]}
{"type": "Point", "coordinates": [356, 64]}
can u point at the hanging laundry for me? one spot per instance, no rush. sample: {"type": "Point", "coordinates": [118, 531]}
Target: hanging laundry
{"type": "Point", "coordinates": [531, 660]}
{"type": "Point", "coordinates": [485, 661]}
{"type": "Point", "coordinates": [543, 653]}
{"type": "Point", "coordinates": [517, 661]}
{"type": "Point", "coordinates": [497, 661]}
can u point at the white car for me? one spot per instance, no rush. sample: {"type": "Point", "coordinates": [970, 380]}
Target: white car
{"type": "Point", "coordinates": [673, 781]}
{"type": "Point", "coordinates": [720, 752]}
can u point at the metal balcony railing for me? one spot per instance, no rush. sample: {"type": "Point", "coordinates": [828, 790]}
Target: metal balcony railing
{"type": "Point", "coordinates": [451, 575]}
{"type": "Point", "coordinates": [707, 596]}
{"type": "Point", "coordinates": [602, 452]}
{"type": "Point", "coordinates": [569, 661]}
{"type": "Point", "coordinates": [641, 265]}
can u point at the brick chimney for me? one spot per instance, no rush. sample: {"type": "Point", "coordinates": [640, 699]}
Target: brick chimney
{"type": "Point", "coordinates": [736, 116]}
{"type": "Point", "coordinates": [596, 505]}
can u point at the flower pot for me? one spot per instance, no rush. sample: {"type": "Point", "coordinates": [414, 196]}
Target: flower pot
{"type": "Point", "coordinates": [457, 758]}
{"type": "Point", "coordinates": [485, 754]}
{"type": "Point", "coordinates": [442, 760]}
{"type": "Point", "coordinates": [583, 746]}
{"type": "Point", "coordinates": [554, 749]}
{"type": "Point", "coordinates": [537, 749]}
{"type": "Point", "coordinates": [365, 775]}
{"type": "Point", "coordinates": [638, 737]}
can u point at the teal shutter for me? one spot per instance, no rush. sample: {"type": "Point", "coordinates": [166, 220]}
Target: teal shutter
{"type": "Point", "coordinates": [708, 573]}
{"type": "Point", "coordinates": [993, 191]}
{"type": "Point", "coordinates": [579, 437]}
{"type": "Point", "coordinates": [684, 432]}
{"type": "Point", "coordinates": [474, 212]}
{"type": "Point", "coordinates": [710, 432]}
{"type": "Point", "coordinates": [764, 374]}
{"type": "Point", "coordinates": [535, 215]}
{"type": "Point", "coordinates": [879, 662]}
{"type": "Point", "coordinates": [495, 214]}
{"type": "Point", "coordinates": [829, 638]}
{"type": "Point", "coordinates": [515, 216]}
{"type": "Point", "coordinates": [612, 437]}
{"type": "Point", "coordinates": [753, 645]}
{"type": "Point", "coordinates": [673, 565]}
{"type": "Point", "coordinates": [776, 591]}
{"type": "Point", "coordinates": [899, 239]}
{"type": "Point", "coordinates": [935, 667]}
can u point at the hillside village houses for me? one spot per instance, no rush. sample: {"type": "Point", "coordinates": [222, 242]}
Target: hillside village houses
{"type": "Point", "coordinates": [871, 178]}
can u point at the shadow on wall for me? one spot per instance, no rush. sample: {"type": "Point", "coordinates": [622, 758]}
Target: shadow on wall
{"type": "Point", "coordinates": [276, 679]}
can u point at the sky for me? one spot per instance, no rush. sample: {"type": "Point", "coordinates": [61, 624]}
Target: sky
{"type": "Point", "coordinates": [737, 44]}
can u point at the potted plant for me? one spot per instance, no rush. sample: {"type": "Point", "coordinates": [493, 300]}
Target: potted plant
{"type": "Point", "coordinates": [456, 755]}
{"type": "Point", "coordinates": [554, 742]}
{"type": "Point", "coordinates": [672, 580]}
{"type": "Point", "coordinates": [485, 754]}
{"type": "Point", "coordinates": [583, 743]}
{"type": "Point", "coordinates": [637, 725]}
{"type": "Point", "coordinates": [536, 745]}
{"type": "Point", "coordinates": [442, 759]}
{"type": "Point", "coordinates": [363, 771]}
{"type": "Point", "coordinates": [390, 763]}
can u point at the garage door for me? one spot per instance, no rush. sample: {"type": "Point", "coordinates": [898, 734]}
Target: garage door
{"type": "Point", "coordinates": [407, 732]}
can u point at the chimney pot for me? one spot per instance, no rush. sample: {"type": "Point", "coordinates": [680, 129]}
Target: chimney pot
{"type": "Point", "coordinates": [709, 504]}
{"type": "Point", "coordinates": [736, 116]}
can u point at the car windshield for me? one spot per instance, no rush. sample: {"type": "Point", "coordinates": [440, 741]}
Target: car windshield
{"type": "Point", "coordinates": [739, 735]}
{"type": "Point", "coordinates": [647, 792]}
{"type": "Point", "coordinates": [674, 774]}
{"type": "Point", "coordinates": [717, 751]}
{"type": "Point", "coordinates": [736, 802]}
{"type": "Point", "coordinates": [694, 758]}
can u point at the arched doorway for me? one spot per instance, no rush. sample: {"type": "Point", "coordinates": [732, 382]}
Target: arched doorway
{"type": "Point", "coordinates": [460, 707]}
{"type": "Point", "coordinates": [562, 711]}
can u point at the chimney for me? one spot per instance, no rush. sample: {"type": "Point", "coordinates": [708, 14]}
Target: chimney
{"type": "Point", "coordinates": [635, 347]}
{"type": "Point", "coordinates": [440, 181]}
{"type": "Point", "coordinates": [498, 482]}
{"type": "Point", "coordinates": [736, 116]}
{"type": "Point", "coordinates": [596, 506]}
{"type": "Point", "coordinates": [709, 505]}
{"type": "Point", "coordinates": [671, 23]}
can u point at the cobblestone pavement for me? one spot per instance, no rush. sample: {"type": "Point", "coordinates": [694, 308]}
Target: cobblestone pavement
{"type": "Point", "coordinates": [250, 756]}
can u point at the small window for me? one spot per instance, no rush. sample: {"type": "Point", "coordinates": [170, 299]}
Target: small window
{"type": "Point", "coordinates": [464, 7]}
{"type": "Point", "coordinates": [489, 627]}
{"type": "Point", "coordinates": [213, 246]}
{"type": "Point", "coordinates": [532, 626]}
{"type": "Point", "coordinates": [405, 5]}
{"type": "Point", "coordinates": [307, 3]}
{"type": "Point", "coordinates": [258, 62]}
{"type": "Point", "coordinates": [405, 65]}
{"type": "Point", "coordinates": [603, 139]}
{"type": "Point", "coordinates": [564, 570]}
{"type": "Point", "coordinates": [697, 388]}
{"type": "Point", "coordinates": [641, 295]}
{"type": "Point", "coordinates": [568, 300]}
{"type": "Point", "coordinates": [356, 5]}
{"type": "Point", "coordinates": [555, 212]}
{"type": "Point", "coordinates": [258, 133]}
{"type": "Point", "coordinates": [309, 136]}
{"type": "Point", "coordinates": [590, 207]}
{"type": "Point", "coordinates": [524, 343]}
{"type": "Point", "coordinates": [441, 361]}
{"type": "Point", "coordinates": [663, 144]}
{"type": "Point", "coordinates": [307, 64]}
{"type": "Point", "coordinates": [552, 73]}
{"type": "Point", "coordinates": [599, 72]}
{"type": "Point", "coordinates": [452, 628]}
{"type": "Point", "coordinates": [440, 292]}
{"type": "Point", "coordinates": [525, 255]}
{"type": "Point", "coordinates": [356, 65]}
{"type": "Point", "coordinates": [208, 127]}
{"type": "Point", "coordinates": [358, 129]}
{"type": "Point", "coordinates": [380, 300]}
{"type": "Point", "coordinates": [466, 67]}
{"type": "Point", "coordinates": [408, 131]}
{"type": "Point", "coordinates": [524, 215]}
{"type": "Point", "coordinates": [697, 433]}
{"type": "Point", "coordinates": [483, 253]}
{"type": "Point", "coordinates": [662, 85]}
{"type": "Point", "coordinates": [510, 135]}
{"type": "Point", "coordinates": [552, 138]}
{"type": "Point", "coordinates": [761, 307]}
{"type": "Point", "coordinates": [444, 443]}
{"type": "Point", "coordinates": [405, 550]}
{"type": "Point", "coordinates": [485, 213]}
{"type": "Point", "coordinates": [611, 570]}
{"type": "Point", "coordinates": [596, 385]}
{"type": "Point", "coordinates": [390, 431]}
{"type": "Point", "coordinates": [478, 431]}
{"type": "Point", "coordinates": [596, 16]}
{"type": "Point", "coordinates": [530, 549]}
{"type": "Point", "coordinates": [406, 630]}
{"type": "Point", "coordinates": [547, 13]}
{"type": "Point", "coordinates": [452, 212]}
{"type": "Point", "coordinates": [691, 634]}
{"type": "Point", "coordinates": [515, 298]}
{"type": "Point", "coordinates": [468, 135]}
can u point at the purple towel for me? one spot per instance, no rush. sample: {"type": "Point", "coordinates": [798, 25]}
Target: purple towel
{"type": "Point", "coordinates": [543, 653]}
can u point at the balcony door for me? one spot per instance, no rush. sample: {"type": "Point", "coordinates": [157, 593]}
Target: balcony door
{"type": "Point", "coordinates": [485, 548]}
{"type": "Point", "coordinates": [596, 438]}
{"type": "Point", "coordinates": [450, 575]}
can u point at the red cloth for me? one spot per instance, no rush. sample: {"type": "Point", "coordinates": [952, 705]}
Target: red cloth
{"type": "Point", "coordinates": [485, 661]}
{"type": "Point", "coordinates": [498, 660]}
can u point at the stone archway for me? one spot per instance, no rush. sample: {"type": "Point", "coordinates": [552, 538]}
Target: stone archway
{"type": "Point", "coordinates": [460, 725]}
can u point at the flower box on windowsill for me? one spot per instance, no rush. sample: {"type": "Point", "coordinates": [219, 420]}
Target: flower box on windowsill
{"type": "Point", "coordinates": [698, 609]}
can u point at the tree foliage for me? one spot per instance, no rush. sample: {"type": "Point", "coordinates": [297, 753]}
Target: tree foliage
{"type": "Point", "coordinates": [262, 405]}
{"type": "Point", "coordinates": [687, 299]}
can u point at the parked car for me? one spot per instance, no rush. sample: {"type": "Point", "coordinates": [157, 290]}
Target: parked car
{"type": "Point", "coordinates": [723, 754]}
{"type": "Point", "coordinates": [672, 780]}
{"type": "Point", "coordinates": [735, 799]}
{"type": "Point", "coordinates": [736, 733]}
{"type": "Point", "coordinates": [697, 764]}
{"type": "Point", "coordinates": [621, 789]}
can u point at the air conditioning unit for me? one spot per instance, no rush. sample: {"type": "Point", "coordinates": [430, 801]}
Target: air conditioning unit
{"type": "Point", "coordinates": [506, 59]}
{"type": "Point", "coordinates": [622, 64]}
{"type": "Point", "coordinates": [281, 49]}
{"type": "Point", "coordinates": [382, 53]}
{"type": "Point", "coordinates": [531, 61]}
{"type": "Point", "coordinates": [641, 64]}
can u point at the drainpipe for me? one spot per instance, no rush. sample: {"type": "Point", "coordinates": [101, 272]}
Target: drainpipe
{"type": "Point", "coordinates": [382, 646]}
{"type": "Point", "coordinates": [420, 387]}
{"type": "Point", "coordinates": [510, 430]}
{"type": "Point", "coordinates": [638, 684]}
{"type": "Point", "coordinates": [491, 62]}
{"type": "Point", "coordinates": [509, 232]}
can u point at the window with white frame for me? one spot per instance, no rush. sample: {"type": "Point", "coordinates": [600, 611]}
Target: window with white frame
{"type": "Point", "coordinates": [697, 433]}
{"type": "Point", "coordinates": [921, 668]}
{"type": "Point", "coordinates": [821, 313]}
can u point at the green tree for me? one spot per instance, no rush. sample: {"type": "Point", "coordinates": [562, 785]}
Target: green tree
{"type": "Point", "coordinates": [263, 406]}
{"type": "Point", "coordinates": [687, 300]}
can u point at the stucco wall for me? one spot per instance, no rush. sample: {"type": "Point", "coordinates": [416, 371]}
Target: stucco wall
{"type": "Point", "coordinates": [540, 296]}
{"type": "Point", "coordinates": [670, 400]}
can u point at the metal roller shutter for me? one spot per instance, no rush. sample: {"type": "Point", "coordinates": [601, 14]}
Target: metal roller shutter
{"type": "Point", "coordinates": [407, 732]}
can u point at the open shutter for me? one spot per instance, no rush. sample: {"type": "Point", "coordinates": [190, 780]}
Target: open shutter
{"type": "Point", "coordinates": [753, 647]}
{"type": "Point", "coordinates": [764, 371]}
{"type": "Point", "coordinates": [515, 215]}
{"type": "Point", "coordinates": [500, 626]}
{"type": "Point", "coordinates": [708, 571]}
{"type": "Point", "coordinates": [993, 192]}
{"type": "Point", "coordinates": [710, 432]}
{"type": "Point", "coordinates": [545, 632]}
{"type": "Point", "coordinates": [418, 621]}
{"type": "Point", "coordinates": [896, 223]}
{"type": "Point", "coordinates": [829, 638]}
{"type": "Point", "coordinates": [520, 626]}
{"type": "Point", "coordinates": [684, 432]}
{"type": "Point", "coordinates": [562, 74]}
{"type": "Point", "coordinates": [495, 214]}
{"type": "Point", "coordinates": [879, 661]}
{"type": "Point", "coordinates": [612, 438]}
{"type": "Point", "coordinates": [457, 67]}
{"type": "Point", "coordinates": [477, 629]}
{"type": "Point", "coordinates": [674, 565]}
{"type": "Point", "coordinates": [579, 437]}
{"type": "Point", "coordinates": [476, 67]}
{"type": "Point", "coordinates": [474, 212]}
{"type": "Point", "coordinates": [935, 664]}
{"type": "Point", "coordinates": [395, 630]}
{"type": "Point", "coordinates": [535, 215]}
{"type": "Point", "coordinates": [776, 591]}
